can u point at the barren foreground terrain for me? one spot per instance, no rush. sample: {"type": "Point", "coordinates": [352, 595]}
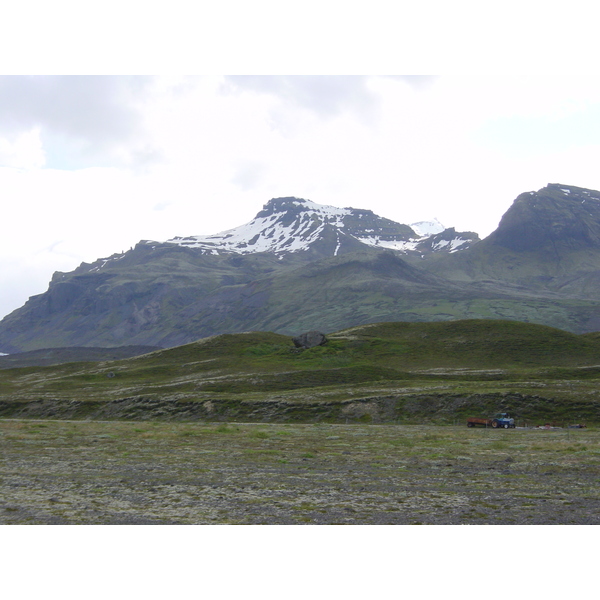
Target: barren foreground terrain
{"type": "Point", "coordinates": [90, 472]}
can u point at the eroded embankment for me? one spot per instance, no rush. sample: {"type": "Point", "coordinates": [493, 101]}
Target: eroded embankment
{"type": "Point", "coordinates": [376, 409]}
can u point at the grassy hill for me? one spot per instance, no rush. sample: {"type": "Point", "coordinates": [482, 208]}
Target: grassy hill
{"type": "Point", "coordinates": [380, 372]}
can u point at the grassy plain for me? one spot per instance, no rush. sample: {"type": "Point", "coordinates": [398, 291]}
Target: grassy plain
{"type": "Point", "coordinates": [78, 472]}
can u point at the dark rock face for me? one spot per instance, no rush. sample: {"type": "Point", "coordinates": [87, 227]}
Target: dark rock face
{"type": "Point", "coordinates": [310, 339]}
{"type": "Point", "coordinates": [555, 219]}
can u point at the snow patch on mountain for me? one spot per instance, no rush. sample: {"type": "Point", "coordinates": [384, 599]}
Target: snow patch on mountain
{"type": "Point", "coordinates": [398, 245]}
{"type": "Point", "coordinates": [450, 245]}
{"type": "Point", "coordinates": [105, 261]}
{"type": "Point", "coordinates": [260, 235]}
{"type": "Point", "coordinates": [427, 228]}
{"type": "Point", "coordinates": [270, 231]}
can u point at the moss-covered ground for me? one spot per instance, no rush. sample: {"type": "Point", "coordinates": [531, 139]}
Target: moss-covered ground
{"type": "Point", "coordinates": [65, 472]}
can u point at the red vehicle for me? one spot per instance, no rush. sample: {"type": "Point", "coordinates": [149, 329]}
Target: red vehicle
{"type": "Point", "coordinates": [500, 421]}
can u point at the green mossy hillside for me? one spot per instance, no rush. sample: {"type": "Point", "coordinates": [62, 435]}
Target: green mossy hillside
{"type": "Point", "coordinates": [375, 372]}
{"type": "Point", "coordinates": [474, 343]}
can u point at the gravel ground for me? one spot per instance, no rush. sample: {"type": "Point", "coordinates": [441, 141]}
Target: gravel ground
{"type": "Point", "coordinates": [89, 472]}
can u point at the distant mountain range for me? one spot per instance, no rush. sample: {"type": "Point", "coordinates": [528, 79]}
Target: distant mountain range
{"type": "Point", "coordinates": [299, 265]}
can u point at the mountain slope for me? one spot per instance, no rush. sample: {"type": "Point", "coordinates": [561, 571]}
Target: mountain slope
{"type": "Point", "coordinates": [549, 239]}
{"type": "Point", "coordinates": [300, 266]}
{"type": "Point", "coordinates": [177, 295]}
{"type": "Point", "coordinates": [168, 296]}
{"type": "Point", "coordinates": [169, 293]}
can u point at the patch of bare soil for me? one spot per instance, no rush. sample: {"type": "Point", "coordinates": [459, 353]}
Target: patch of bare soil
{"type": "Point", "coordinates": [80, 472]}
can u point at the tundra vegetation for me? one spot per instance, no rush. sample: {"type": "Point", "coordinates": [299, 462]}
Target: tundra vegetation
{"type": "Point", "coordinates": [368, 428]}
{"type": "Point", "coordinates": [91, 472]}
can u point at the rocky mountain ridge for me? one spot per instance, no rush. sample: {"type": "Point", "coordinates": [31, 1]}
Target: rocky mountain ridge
{"type": "Point", "coordinates": [299, 266]}
{"type": "Point", "coordinates": [296, 225]}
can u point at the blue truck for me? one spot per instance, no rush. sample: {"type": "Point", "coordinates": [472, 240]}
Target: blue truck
{"type": "Point", "coordinates": [499, 421]}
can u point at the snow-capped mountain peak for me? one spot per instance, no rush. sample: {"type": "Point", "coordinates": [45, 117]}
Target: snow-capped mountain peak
{"type": "Point", "coordinates": [284, 225]}
{"type": "Point", "coordinates": [292, 224]}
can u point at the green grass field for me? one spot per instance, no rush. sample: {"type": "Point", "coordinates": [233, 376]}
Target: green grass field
{"type": "Point", "coordinates": [385, 372]}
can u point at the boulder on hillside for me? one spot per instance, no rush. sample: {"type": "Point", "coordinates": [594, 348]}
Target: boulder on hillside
{"type": "Point", "coordinates": [310, 339]}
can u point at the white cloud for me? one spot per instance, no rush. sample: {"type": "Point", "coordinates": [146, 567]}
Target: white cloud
{"type": "Point", "coordinates": [22, 150]}
{"type": "Point", "coordinates": [249, 174]}
{"type": "Point", "coordinates": [325, 96]}
{"type": "Point", "coordinates": [82, 120]}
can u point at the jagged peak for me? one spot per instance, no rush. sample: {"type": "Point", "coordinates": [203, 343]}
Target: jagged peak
{"type": "Point", "coordinates": [291, 206]}
{"type": "Point", "coordinates": [289, 224]}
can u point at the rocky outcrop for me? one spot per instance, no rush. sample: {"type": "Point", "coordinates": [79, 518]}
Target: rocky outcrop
{"type": "Point", "coordinates": [310, 339]}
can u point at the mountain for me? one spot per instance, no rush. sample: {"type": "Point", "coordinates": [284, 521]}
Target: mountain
{"type": "Point", "coordinates": [168, 293]}
{"type": "Point", "coordinates": [549, 239]}
{"type": "Point", "coordinates": [299, 265]}
{"type": "Point", "coordinates": [289, 225]}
